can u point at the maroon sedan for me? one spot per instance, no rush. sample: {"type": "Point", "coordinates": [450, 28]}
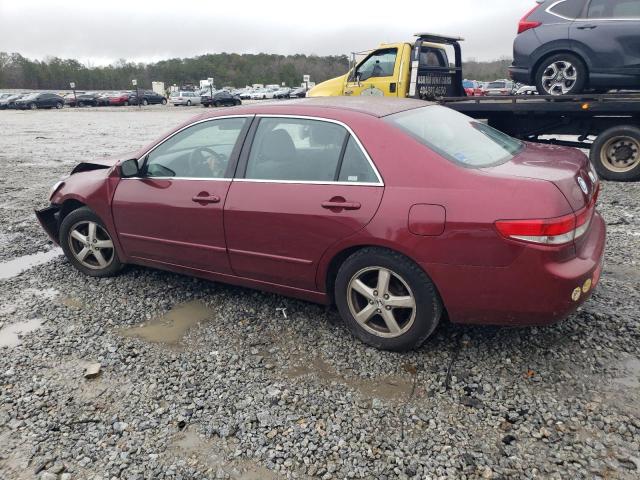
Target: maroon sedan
{"type": "Point", "coordinates": [394, 210]}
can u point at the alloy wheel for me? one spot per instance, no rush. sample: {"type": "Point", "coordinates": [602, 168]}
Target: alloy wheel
{"type": "Point", "coordinates": [381, 302]}
{"type": "Point", "coordinates": [91, 245]}
{"type": "Point", "coordinates": [559, 78]}
{"type": "Point", "coordinates": [620, 154]}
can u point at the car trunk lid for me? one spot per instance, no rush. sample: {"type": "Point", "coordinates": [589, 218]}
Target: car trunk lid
{"type": "Point", "coordinates": [568, 169]}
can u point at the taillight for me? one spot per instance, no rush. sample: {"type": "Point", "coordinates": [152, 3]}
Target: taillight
{"type": "Point", "coordinates": [526, 24]}
{"type": "Point", "coordinates": [549, 231]}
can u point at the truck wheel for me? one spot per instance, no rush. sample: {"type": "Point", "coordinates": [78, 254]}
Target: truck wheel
{"type": "Point", "coordinates": [562, 74]}
{"type": "Point", "coordinates": [616, 154]}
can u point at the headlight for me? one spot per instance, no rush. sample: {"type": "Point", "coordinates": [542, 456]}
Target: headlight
{"type": "Point", "coordinates": [55, 188]}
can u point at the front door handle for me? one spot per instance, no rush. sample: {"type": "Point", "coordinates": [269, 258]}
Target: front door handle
{"type": "Point", "coordinates": [587, 27]}
{"type": "Point", "coordinates": [203, 198]}
{"type": "Point", "coordinates": [330, 205]}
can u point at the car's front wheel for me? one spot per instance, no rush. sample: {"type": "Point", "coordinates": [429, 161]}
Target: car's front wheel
{"type": "Point", "coordinates": [33, 106]}
{"type": "Point", "coordinates": [386, 300]}
{"type": "Point", "coordinates": [88, 245]}
{"type": "Point", "coordinates": [562, 74]}
{"type": "Point", "coordinates": [164, 101]}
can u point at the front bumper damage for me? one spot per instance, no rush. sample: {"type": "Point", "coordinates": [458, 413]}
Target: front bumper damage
{"type": "Point", "coordinates": [49, 219]}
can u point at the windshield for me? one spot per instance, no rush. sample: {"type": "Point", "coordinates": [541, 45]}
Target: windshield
{"type": "Point", "coordinates": [457, 137]}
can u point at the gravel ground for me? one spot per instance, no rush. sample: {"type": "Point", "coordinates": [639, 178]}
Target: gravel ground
{"type": "Point", "coordinates": [201, 380]}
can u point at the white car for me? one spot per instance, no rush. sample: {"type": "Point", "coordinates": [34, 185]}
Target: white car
{"type": "Point", "coordinates": [184, 98]}
{"type": "Point", "coordinates": [262, 94]}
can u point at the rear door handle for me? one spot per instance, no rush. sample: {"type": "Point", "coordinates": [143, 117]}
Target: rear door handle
{"type": "Point", "coordinates": [342, 205]}
{"type": "Point", "coordinates": [205, 199]}
{"type": "Point", "coordinates": [587, 27]}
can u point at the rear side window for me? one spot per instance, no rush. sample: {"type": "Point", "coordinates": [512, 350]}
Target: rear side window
{"type": "Point", "coordinates": [433, 57]}
{"type": "Point", "coordinates": [355, 166]}
{"type": "Point", "coordinates": [457, 137]}
{"type": "Point", "coordinates": [568, 8]}
{"type": "Point", "coordinates": [614, 9]}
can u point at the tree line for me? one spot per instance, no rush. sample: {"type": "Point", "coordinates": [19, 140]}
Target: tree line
{"type": "Point", "coordinates": [228, 69]}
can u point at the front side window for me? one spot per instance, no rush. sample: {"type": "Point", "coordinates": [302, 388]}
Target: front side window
{"type": "Point", "coordinates": [457, 137]}
{"type": "Point", "coordinates": [378, 64]}
{"type": "Point", "coordinates": [614, 9]}
{"type": "Point", "coordinates": [200, 151]}
{"type": "Point", "coordinates": [568, 8]}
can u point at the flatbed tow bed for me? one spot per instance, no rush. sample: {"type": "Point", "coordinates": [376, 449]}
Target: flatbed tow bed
{"type": "Point", "coordinates": [611, 119]}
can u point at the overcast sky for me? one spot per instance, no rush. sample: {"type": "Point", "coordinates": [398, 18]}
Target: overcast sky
{"type": "Point", "coordinates": [100, 32]}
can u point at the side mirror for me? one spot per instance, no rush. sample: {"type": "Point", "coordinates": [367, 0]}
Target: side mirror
{"type": "Point", "coordinates": [129, 168]}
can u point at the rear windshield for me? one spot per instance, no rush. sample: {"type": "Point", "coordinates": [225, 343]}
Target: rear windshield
{"type": "Point", "coordinates": [457, 137]}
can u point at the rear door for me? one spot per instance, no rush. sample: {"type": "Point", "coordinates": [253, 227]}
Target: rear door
{"type": "Point", "coordinates": [303, 185]}
{"type": "Point", "coordinates": [172, 213]}
{"type": "Point", "coordinates": [610, 32]}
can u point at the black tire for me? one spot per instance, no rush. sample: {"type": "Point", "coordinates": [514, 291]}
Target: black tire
{"type": "Point", "coordinates": [145, 102]}
{"type": "Point", "coordinates": [164, 101]}
{"type": "Point", "coordinates": [615, 154]}
{"type": "Point", "coordinates": [67, 243]}
{"type": "Point", "coordinates": [33, 106]}
{"type": "Point", "coordinates": [188, 103]}
{"type": "Point", "coordinates": [126, 103]}
{"type": "Point", "coordinates": [59, 105]}
{"type": "Point", "coordinates": [237, 102]}
{"type": "Point", "coordinates": [572, 88]}
{"type": "Point", "coordinates": [427, 308]}
{"type": "Point", "coordinates": [216, 104]}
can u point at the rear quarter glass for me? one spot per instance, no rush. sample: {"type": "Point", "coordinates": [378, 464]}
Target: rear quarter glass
{"type": "Point", "coordinates": [458, 138]}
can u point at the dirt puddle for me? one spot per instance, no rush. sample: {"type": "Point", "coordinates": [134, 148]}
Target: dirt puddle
{"type": "Point", "coordinates": [171, 327]}
{"type": "Point", "coordinates": [15, 267]}
{"type": "Point", "coordinates": [205, 451]}
{"type": "Point", "coordinates": [388, 388]}
{"type": "Point", "coordinates": [10, 335]}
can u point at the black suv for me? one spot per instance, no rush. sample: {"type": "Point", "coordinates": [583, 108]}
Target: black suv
{"type": "Point", "coordinates": [566, 46]}
{"type": "Point", "coordinates": [149, 97]}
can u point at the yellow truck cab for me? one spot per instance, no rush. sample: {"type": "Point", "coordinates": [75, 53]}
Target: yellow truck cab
{"type": "Point", "coordinates": [420, 69]}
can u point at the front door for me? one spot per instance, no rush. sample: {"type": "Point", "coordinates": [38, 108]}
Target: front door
{"type": "Point", "coordinates": [304, 185]}
{"type": "Point", "coordinates": [172, 214]}
{"type": "Point", "coordinates": [611, 34]}
{"type": "Point", "coordinates": [376, 75]}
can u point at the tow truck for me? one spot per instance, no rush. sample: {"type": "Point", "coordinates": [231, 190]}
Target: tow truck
{"type": "Point", "coordinates": [608, 125]}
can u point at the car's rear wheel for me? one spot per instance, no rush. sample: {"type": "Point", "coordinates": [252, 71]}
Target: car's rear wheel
{"type": "Point", "coordinates": [126, 103]}
{"type": "Point", "coordinates": [216, 104]}
{"type": "Point", "coordinates": [561, 74]}
{"type": "Point", "coordinates": [188, 103]}
{"type": "Point", "coordinates": [88, 245]}
{"type": "Point", "coordinates": [386, 300]}
{"type": "Point", "coordinates": [615, 154]}
{"type": "Point", "coordinates": [237, 102]}
{"type": "Point", "coordinates": [164, 101]}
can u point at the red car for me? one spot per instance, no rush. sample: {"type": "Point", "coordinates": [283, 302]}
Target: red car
{"type": "Point", "coordinates": [123, 99]}
{"type": "Point", "coordinates": [472, 88]}
{"type": "Point", "coordinates": [394, 210]}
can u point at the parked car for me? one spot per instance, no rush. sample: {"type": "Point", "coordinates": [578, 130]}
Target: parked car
{"type": "Point", "coordinates": [10, 101]}
{"type": "Point", "coordinates": [564, 47]}
{"type": "Point", "coordinates": [282, 92]}
{"type": "Point", "coordinates": [527, 90]}
{"type": "Point", "coordinates": [246, 95]}
{"type": "Point", "coordinates": [221, 99]}
{"type": "Point", "coordinates": [82, 99]}
{"type": "Point", "coordinates": [184, 98]}
{"type": "Point", "coordinates": [121, 99]}
{"type": "Point", "coordinates": [299, 92]}
{"type": "Point", "coordinates": [104, 97]}
{"type": "Point", "coordinates": [149, 97]}
{"type": "Point", "coordinates": [472, 88]}
{"type": "Point", "coordinates": [499, 88]}
{"type": "Point", "coordinates": [35, 101]}
{"type": "Point", "coordinates": [352, 202]}
{"type": "Point", "coordinates": [262, 94]}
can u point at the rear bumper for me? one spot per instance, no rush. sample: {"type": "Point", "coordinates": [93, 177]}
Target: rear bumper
{"type": "Point", "coordinates": [534, 290]}
{"type": "Point", "coordinates": [520, 74]}
{"type": "Point", "coordinates": [49, 219]}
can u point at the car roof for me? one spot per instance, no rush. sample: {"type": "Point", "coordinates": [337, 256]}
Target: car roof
{"type": "Point", "coordinates": [374, 106]}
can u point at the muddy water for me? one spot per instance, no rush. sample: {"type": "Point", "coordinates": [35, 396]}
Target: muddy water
{"type": "Point", "coordinates": [10, 335]}
{"type": "Point", "coordinates": [171, 327]}
{"type": "Point", "coordinates": [18, 265]}
{"type": "Point", "coordinates": [384, 388]}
